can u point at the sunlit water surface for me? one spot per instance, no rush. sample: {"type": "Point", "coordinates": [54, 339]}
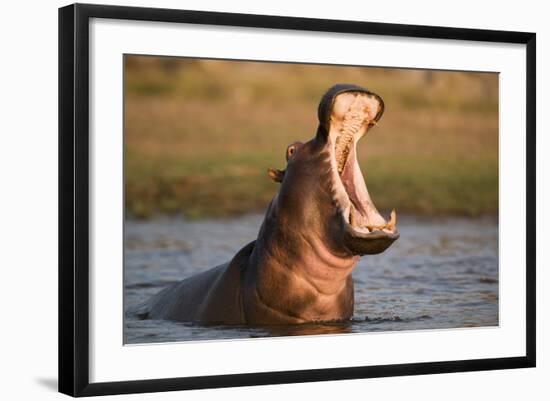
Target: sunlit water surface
{"type": "Point", "coordinates": [441, 273]}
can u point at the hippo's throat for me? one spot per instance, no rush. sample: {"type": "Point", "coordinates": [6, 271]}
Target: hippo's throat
{"type": "Point", "coordinates": [352, 114]}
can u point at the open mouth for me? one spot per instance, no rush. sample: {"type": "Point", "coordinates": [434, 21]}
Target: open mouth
{"type": "Point", "coordinates": [352, 114]}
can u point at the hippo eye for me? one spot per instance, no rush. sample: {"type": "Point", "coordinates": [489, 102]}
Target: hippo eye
{"type": "Point", "coordinates": [290, 151]}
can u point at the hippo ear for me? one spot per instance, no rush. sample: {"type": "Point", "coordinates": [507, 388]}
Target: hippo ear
{"type": "Point", "coordinates": [276, 175]}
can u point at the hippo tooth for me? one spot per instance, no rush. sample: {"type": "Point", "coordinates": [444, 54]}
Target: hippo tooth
{"type": "Point", "coordinates": [393, 221]}
{"type": "Point", "coordinates": [390, 225]}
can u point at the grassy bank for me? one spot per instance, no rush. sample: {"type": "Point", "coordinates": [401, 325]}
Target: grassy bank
{"type": "Point", "coordinates": [200, 135]}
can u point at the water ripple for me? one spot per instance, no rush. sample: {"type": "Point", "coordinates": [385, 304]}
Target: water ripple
{"type": "Point", "coordinates": [442, 273]}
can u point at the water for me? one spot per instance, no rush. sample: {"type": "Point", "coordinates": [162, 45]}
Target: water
{"type": "Point", "coordinates": [441, 273]}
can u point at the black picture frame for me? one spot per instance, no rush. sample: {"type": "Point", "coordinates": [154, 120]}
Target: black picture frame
{"type": "Point", "coordinates": [74, 198]}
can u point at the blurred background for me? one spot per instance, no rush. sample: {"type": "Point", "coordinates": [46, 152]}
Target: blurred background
{"type": "Point", "coordinates": [201, 134]}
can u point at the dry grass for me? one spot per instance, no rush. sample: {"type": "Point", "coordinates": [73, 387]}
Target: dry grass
{"type": "Point", "coordinates": [200, 135]}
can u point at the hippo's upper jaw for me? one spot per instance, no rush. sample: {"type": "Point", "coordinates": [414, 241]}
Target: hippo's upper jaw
{"type": "Point", "coordinates": [349, 114]}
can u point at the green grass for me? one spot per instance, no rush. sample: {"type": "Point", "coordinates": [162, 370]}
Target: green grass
{"type": "Point", "coordinates": [200, 135]}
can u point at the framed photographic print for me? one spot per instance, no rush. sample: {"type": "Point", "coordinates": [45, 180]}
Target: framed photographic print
{"type": "Point", "coordinates": [251, 199]}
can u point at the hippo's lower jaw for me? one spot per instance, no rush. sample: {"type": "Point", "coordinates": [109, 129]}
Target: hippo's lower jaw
{"type": "Point", "coordinates": [365, 231]}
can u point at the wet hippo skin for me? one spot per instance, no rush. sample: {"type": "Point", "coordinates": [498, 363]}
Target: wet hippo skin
{"type": "Point", "coordinates": [315, 229]}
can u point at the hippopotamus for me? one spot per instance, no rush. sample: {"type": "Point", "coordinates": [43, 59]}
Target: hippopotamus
{"type": "Point", "coordinates": [318, 225]}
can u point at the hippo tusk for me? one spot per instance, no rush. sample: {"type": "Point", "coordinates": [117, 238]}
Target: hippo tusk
{"type": "Point", "coordinates": [393, 221]}
{"type": "Point", "coordinates": [390, 225]}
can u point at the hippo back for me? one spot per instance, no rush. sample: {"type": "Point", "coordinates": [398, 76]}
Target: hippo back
{"type": "Point", "coordinates": [213, 296]}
